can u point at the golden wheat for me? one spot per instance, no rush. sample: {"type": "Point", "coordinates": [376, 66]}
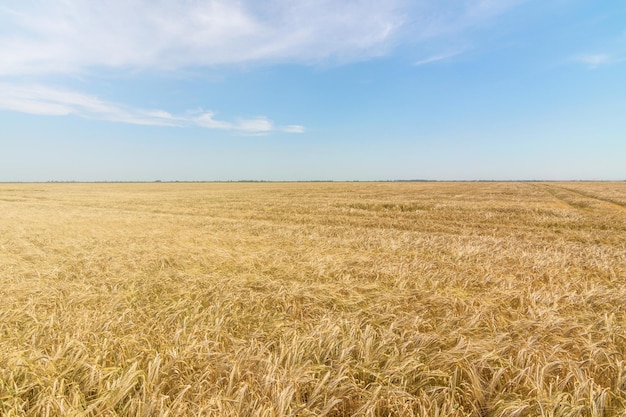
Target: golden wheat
{"type": "Point", "coordinates": [324, 299]}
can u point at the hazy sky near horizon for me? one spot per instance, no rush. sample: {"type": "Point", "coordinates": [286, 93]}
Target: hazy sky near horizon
{"type": "Point", "coordinates": [143, 90]}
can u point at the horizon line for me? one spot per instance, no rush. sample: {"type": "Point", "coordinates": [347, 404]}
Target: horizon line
{"type": "Point", "coordinates": [293, 181]}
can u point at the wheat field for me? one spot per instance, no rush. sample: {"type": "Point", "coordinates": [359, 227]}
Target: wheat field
{"type": "Point", "coordinates": [313, 299]}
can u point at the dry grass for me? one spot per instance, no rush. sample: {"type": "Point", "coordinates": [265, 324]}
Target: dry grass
{"type": "Point", "coordinates": [417, 299]}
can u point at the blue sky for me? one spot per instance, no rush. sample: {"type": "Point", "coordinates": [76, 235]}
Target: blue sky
{"type": "Point", "coordinates": [143, 90]}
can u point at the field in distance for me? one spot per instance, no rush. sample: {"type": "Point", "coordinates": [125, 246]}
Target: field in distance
{"type": "Point", "coordinates": [313, 299]}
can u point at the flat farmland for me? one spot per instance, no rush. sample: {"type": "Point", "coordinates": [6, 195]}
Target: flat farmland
{"type": "Point", "coordinates": [313, 299]}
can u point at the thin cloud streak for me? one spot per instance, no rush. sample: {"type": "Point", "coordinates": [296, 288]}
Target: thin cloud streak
{"type": "Point", "coordinates": [257, 126]}
{"type": "Point", "coordinates": [436, 58]}
{"type": "Point", "coordinates": [48, 101]}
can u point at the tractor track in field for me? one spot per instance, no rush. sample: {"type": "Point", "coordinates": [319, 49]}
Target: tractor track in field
{"type": "Point", "coordinates": [552, 193]}
{"type": "Point", "coordinates": [610, 202]}
{"type": "Point", "coordinates": [559, 192]}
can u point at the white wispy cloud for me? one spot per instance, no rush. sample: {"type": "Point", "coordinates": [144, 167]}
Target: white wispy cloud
{"type": "Point", "coordinates": [259, 125]}
{"type": "Point", "coordinates": [43, 100]}
{"type": "Point", "coordinates": [594, 61]}
{"type": "Point", "coordinates": [69, 36]}
{"type": "Point", "coordinates": [75, 35]}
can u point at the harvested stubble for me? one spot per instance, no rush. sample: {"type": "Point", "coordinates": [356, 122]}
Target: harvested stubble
{"type": "Point", "coordinates": [408, 299]}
